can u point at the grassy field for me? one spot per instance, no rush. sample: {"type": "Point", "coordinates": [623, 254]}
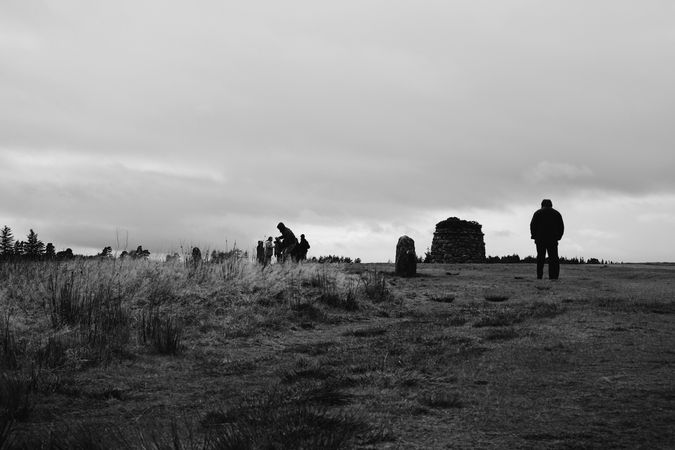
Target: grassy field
{"type": "Point", "coordinates": [140, 354]}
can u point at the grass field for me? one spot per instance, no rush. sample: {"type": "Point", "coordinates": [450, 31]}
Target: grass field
{"type": "Point", "coordinates": [140, 354]}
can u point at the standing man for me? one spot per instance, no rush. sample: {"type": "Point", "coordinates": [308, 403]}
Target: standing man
{"type": "Point", "coordinates": [303, 247]}
{"type": "Point", "coordinates": [547, 229]}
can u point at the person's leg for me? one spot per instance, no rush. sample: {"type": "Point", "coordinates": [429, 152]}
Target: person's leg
{"type": "Point", "coordinates": [553, 261]}
{"type": "Point", "coordinates": [541, 259]}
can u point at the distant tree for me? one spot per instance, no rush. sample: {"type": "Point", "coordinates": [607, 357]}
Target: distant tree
{"type": "Point", "coordinates": [427, 256]}
{"type": "Point", "coordinates": [332, 259]}
{"type": "Point", "coordinates": [171, 258]}
{"type": "Point", "coordinates": [65, 254]}
{"type": "Point", "coordinates": [34, 246]}
{"type": "Point", "coordinates": [49, 251]}
{"type": "Point", "coordinates": [6, 242]}
{"type": "Point", "coordinates": [124, 254]}
{"type": "Point", "coordinates": [19, 248]}
{"type": "Point", "coordinates": [139, 253]}
{"type": "Point", "coordinates": [106, 252]}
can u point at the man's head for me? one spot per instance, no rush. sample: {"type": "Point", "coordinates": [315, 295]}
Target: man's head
{"type": "Point", "coordinates": [281, 226]}
{"type": "Point", "coordinates": [546, 203]}
{"type": "Point", "coordinates": [302, 236]}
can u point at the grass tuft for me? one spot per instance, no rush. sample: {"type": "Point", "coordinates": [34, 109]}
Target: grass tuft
{"type": "Point", "coordinates": [375, 286]}
{"type": "Point", "coordinates": [163, 332]}
{"type": "Point", "coordinates": [16, 399]}
{"type": "Point", "coordinates": [9, 349]}
{"type": "Point", "coordinates": [284, 419]}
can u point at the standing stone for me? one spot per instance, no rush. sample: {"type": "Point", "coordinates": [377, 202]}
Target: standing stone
{"type": "Point", "coordinates": [406, 259]}
{"type": "Point", "coordinates": [458, 241]}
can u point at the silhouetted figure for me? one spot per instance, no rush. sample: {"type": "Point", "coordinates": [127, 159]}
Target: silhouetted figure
{"type": "Point", "coordinates": [260, 253]}
{"type": "Point", "coordinates": [303, 246]}
{"type": "Point", "coordinates": [277, 249]}
{"type": "Point", "coordinates": [196, 256]}
{"type": "Point", "coordinates": [269, 251]}
{"type": "Point", "coordinates": [547, 229]}
{"type": "Point", "coordinates": [288, 242]}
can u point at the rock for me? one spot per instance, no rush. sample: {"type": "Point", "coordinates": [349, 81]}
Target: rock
{"type": "Point", "coordinates": [458, 241]}
{"type": "Point", "coordinates": [406, 259]}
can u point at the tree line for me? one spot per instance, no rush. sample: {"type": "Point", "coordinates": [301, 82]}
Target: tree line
{"type": "Point", "coordinates": [515, 258]}
{"type": "Point", "coordinates": [33, 249]}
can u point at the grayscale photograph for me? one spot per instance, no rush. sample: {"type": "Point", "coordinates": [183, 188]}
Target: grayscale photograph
{"type": "Point", "coordinates": [337, 225]}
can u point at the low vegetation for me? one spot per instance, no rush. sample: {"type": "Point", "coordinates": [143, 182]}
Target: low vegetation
{"type": "Point", "coordinates": [108, 353]}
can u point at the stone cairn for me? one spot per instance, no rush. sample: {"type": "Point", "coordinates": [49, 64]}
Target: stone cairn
{"type": "Point", "coordinates": [406, 259]}
{"type": "Point", "coordinates": [458, 241]}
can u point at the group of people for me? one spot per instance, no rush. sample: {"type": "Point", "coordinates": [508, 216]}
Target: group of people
{"type": "Point", "coordinates": [546, 228]}
{"type": "Point", "coordinates": [283, 247]}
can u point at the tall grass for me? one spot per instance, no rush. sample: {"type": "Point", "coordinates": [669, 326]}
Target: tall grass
{"type": "Point", "coordinates": [162, 331]}
{"type": "Point", "coordinates": [375, 286]}
{"type": "Point", "coordinates": [9, 350]}
{"type": "Point", "coordinates": [68, 317]}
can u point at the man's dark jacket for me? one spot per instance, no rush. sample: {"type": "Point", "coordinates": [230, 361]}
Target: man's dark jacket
{"type": "Point", "coordinates": [547, 225]}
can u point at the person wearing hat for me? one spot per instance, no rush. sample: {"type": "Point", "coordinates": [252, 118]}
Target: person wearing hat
{"type": "Point", "coordinates": [547, 228]}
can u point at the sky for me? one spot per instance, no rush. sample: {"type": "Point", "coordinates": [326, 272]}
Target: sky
{"type": "Point", "coordinates": [172, 124]}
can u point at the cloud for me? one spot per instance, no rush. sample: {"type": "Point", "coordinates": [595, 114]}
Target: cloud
{"type": "Point", "coordinates": [193, 124]}
{"type": "Point", "coordinates": [546, 171]}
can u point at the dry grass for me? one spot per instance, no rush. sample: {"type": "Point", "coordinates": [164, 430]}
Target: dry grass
{"type": "Point", "coordinates": [137, 354]}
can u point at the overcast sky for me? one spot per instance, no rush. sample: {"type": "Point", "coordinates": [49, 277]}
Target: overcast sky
{"type": "Point", "coordinates": [353, 122]}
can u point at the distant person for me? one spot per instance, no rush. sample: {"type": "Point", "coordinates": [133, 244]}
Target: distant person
{"type": "Point", "coordinates": [277, 249]}
{"type": "Point", "coordinates": [547, 229]}
{"type": "Point", "coordinates": [303, 247]}
{"type": "Point", "coordinates": [269, 251]}
{"type": "Point", "coordinates": [260, 252]}
{"type": "Point", "coordinates": [196, 256]}
{"type": "Point", "coordinates": [288, 242]}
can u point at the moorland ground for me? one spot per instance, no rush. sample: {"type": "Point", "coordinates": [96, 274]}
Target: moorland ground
{"type": "Point", "coordinates": [140, 354]}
